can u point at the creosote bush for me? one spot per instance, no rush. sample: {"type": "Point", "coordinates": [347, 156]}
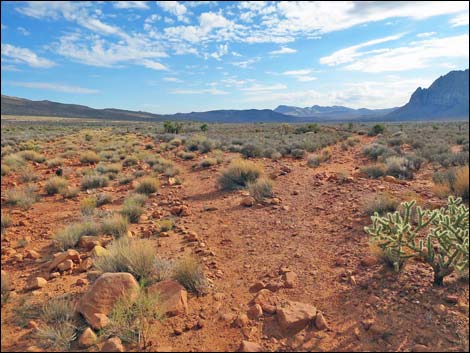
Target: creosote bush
{"type": "Point", "coordinates": [188, 272]}
{"type": "Point", "coordinates": [89, 157]}
{"type": "Point", "coordinates": [94, 181]}
{"type": "Point", "coordinates": [116, 225]}
{"type": "Point", "coordinates": [132, 208]}
{"type": "Point", "coordinates": [239, 174]}
{"type": "Point", "coordinates": [261, 188]}
{"type": "Point", "coordinates": [147, 186]}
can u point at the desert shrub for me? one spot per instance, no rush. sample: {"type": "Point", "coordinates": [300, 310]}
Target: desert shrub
{"type": "Point", "coordinates": [136, 256]}
{"type": "Point", "coordinates": [55, 162]}
{"type": "Point", "coordinates": [14, 161]}
{"type": "Point", "coordinates": [6, 222]}
{"type": "Point", "coordinates": [69, 192]}
{"type": "Point", "coordinates": [27, 175]}
{"type": "Point", "coordinates": [445, 245]}
{"type": "Point", "coordinates": [239, 174]}
{"type": "Point", "coordinates": [132, 208]}
{"type": "Point", "coordinates": [5, 287]}
{"type": "Point", "coordinates": [453, 181]}
{"type": "Point", "coordinates": [307, 128]}
{"type": "Point", "coordinates": [298, 153]}
{"type": "Point", "coordinates": [398, 168]}
{"type": "Point", "coordinates": [94, 181]}
{"type": "Point", "coordinates": [87, 206]}
{"type": "Point", "coordinates": [251, 151]}
{"type": "Point", "coordinates": [60, 327]}
{"type": "Point", "coordinates": [147, 186]}
{"type": "Point", "coordinates": [112, 168]}
{"type": "Point", "coordinates": [130, 161]}
{"type": "Point", "coordinates": [69, 236]}
{"type": "Point", "coordinates": [115, 225]}
{"type": "Point", "coordinates": [165, 225]}
{"type": "Point", "coordinates": [414, 162]}
{"type": "Point", "coordinates": [131, 321]}
{"type": "Point", "coordinates": [103, 199]}
{"type": "Point", "coordinates": [261, 188]}
{"type": "Point", "coordinates": [5, 169]}
{"type": "Point", "coordinates": [200, 143]}
{"type": "Point", "coordinates": [176, 142]}
{"type": "Point", "coordinates": [188, 272]}
{"type": "Point", "coordinates": [314, 160]}
{"type": "Point", "coordinates": [376, 130]}
{"type": "Point", "coordinates": [55, 185]}
{"type": "Point", "coordinates": [125, 179]}
{"type": "Point", "coordinates": [32, 156]}
{"type": "Point", "coordinates": [460, 185]}
{"type": "Point", "coordinates": [381, 204]}
{"type": "Point", "coordinates": [374, 151]}
{"type": "Point", "coordinates": [23, 197]}
{"type": "Point", "coordinates": [172, 127]}
{"type": "Point", "coordinates": [208, 162]}
{"type": "Point", "coordinates": [89, 157]}
{"type": "Point", "coordinates": [186, 155]}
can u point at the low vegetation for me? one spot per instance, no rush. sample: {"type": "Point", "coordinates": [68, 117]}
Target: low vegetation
{"type": "Point", "coordinates": [239, 174]}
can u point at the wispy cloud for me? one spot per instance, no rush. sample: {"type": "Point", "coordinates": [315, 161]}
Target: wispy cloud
{"type": "Point", "coordinates": [283, 50]}
{"type": "Point", "coordinates": [24, 56]}
{"type": "Point", "coordinates": [53, 87]}
{"type": "Point", "coordinates": [460, 20]}
{"type": "Point", "coordinates": [131, 5]}
{"type": "Point", "coordinates": [213, 91]}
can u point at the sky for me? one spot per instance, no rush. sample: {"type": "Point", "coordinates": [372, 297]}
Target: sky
{"type": "Point", "coordinates": [170, 56]}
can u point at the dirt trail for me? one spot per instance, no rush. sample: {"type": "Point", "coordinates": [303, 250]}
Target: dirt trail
{"type": "Point", "coordinates": [316, 231]}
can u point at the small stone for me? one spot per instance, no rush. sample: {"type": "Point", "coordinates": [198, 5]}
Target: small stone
{"type": "Point", "coordinates": [247, 346]}
{"type": "Point", "coordinates": [65, 266]}
{"type": "Point", "coordinates": [54, 275]}
{"type": "Point", "coordinates": [453, 299]}
{"type": "Point", "coordinates": [85, 265]}
{"type": "Point", "coordinates": [368, 323]}
{"type": "Point", "coordinates": [34, 349]}
{"type": "Point", "coordinates": [439, 309]}
{"type": "Point", "coordinates": [81, 282]}
{"type": "Point", "coordinates": [32, 325]}
{"type": "Point", "coordinates": [242, 320]}
{"type": "Point", "coordinates": [320, 322]}
{"type": "Point", "coordinates": [420, 348]}
{"type": "Point", "coordinates": [113, 344]}
{"type": "Point", "coordinates": [32, 254]}
{"type": "Point", "coordinates": [295, 316]}
{"type": "Point", "coordinates": [290, 279]}
{"type": "Point", "coordinates": [369, 261]}
{"type": "Point", "coordinates": [87, 338]}
{"type": "Point", "coordinates": [36, 283]}
{"type": "Point", "coordinates": [257, 287]}
{"type": "Point", "coordinates": [255, 311]}
{"type": "Point", "coordinates": [247, 201]}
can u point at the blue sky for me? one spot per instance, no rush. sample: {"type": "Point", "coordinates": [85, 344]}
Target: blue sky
{"type": "Point", "coordinates": [168, 57]}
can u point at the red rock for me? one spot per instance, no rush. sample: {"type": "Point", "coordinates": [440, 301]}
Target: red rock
{"type": "Point", "coordinates": [61, 257]}
{"type": "Point", "coordinates": [103, 295]}
{"type": "Point", "coordinates": [257, 287]}
{"type": "Point", "coordinates": [36, 283]}
{"type": "Point", "coordinates": [65, 266]}
{"type": "Point", "coordinates": [369, 261]}
{"type": "Point", "coordinates": [173, 297]}
{"type": "Point", "coordinates": [247, 201]}
{"type": "Point", "coordinates": [113, 344]}
{"type": "Point", "coordinates": [247, 346]}
{"type": "Point", "coordinates": [290, 279]}
{"type": "Point", "coordinates": [295, 316]}
{"type": "Point", "coordinates": [242, 320]}
{"type": "Point", "coordinates": [320, 322]}
{"type": "Point", "coordinates": [87, 338]}
{"type": "Point", "coordinates": [255, 311]}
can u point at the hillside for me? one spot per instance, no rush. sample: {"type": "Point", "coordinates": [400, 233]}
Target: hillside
{"type": "Point", "coordinates": [331, 113]}
{"type": "Point", "coordinates": [446, 98]}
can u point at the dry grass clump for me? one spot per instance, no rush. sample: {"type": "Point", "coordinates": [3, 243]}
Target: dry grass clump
{"type": "Point", "coordinates": [381, 204]}
{"type": "Point", "coordinates": [70, 236]}
{"type": "Point", "coordinates": [315, 160]}
{"type": "Point", "coordinates": [132, 207]}
{"type": "Point", "coordinates": [453, 181]}
{"type": "Point", "coordinates": [261, 188]}
{"type": "Point", "coordinates": [136, 256]}
{"type": "Point", "coordinates": [239, 174]}
{"type": "Point", "coordinates": [6, 222]}
{"type": "Point", "coordinates": [111, 168]}
{"type": "Point", "coordinates": [23, 197]}
{"type": "Point", "coordinates": [89, 157]}
{"type": "Point", "coordinates": [55, 162]}
{"type": "Point", "coordinates": [186, 155]}
{"type": "Point", "coordinates": [87, 206]}
{"type": "Point", "coordinates": [165, 225]}
{"type": "Point", "coordinates": [70, 192]}
{"type": "Point", "coordinates": [5, 286]}
{"type": "Point", "coordinates": [5, 170]}
{"type": "Point", "coordinates": [208, 162]}
{"type": "Point", "coordinates": [94, 181]}
{"type": "Point", "coordinates": [147, 186]}
{"type": "Point", "coordinates": [55, 185]}
{"type": "Point", "coordinates": [188, 272]}
{"type": "Point", "coordinates": [461, 183]}
{"type": "Point", "coordinates": [374, 171]}
{"type": "Point", "coordinates": [103, 199]}
{"type": "Point", "coordinates": [32, 156]}
{"type": "Point", "coordinates": [116, 225]}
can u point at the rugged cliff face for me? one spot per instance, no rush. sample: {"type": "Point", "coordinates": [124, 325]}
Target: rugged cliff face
{"type": "Point", "coordinates": [447, 97]}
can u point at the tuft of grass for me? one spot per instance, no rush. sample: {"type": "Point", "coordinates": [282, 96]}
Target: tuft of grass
{"type": "Point", "coordinates": [132, 208]}
{"type": "Point", "coordinates": [125, 179]}
{"type": "Point", "coordinates": [103, 199]}
{"type": "Point", "coordinates": [6, 222]}
{"type": "Point", "coordinates": [33, 156]}
{"type": "Point", "coordinates": [208, 162]}
{"type": "Point", "coordinates": [87, 206]}
{"type": "Point", "coordinates": [55, 185]}
{"type": "Point", "coordinates": [115, 225]}
{"type": "Point", "coordinates": [147, 186]}
{"type": "Point", "coordinates": [461, 183]}
{"type": "Point", "coordinates": [5, 286]}
{"type": "Point", "coordinates": [239, 174]}
{"type": "Point", "coordinates": [23, 197]}
{"type": "Point", "coordinates": [382, 203]}
{"type": "Point", "coordinates": [136, 256]}
{"type": "Point", "coordinates": [70, 192]}
{"type": "Point", "coordinates": [314, 160]}
{"type": "Point", "coordinates": [5, 169]}
{"type": "Point", "coordinates": [374, 171]}
{"type": "Point", "coordinates": [130, 161]}
{"type": "Point", "coordinates": [261, 189]}
{"type": "Point", "coordinates": [453, 181]}
{"type": "Point", "coordinates": [70, 236]}
{"type": "Point", "coordinates": [188, 272]}
{"type": "Point", "coordinates": [94, 181]}
{"type": "Point", "coordinates": [55, 162]}
{"type": "Point", "coordinates": [165, 225]}
{"type": "Point", "coordinates": [187, 155]}
{"type": "Point", "coordinates": [89, 157]}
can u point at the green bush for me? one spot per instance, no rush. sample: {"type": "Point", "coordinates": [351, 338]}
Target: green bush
{"type": "Point", "coordinates": [55, 185]}
{"type": "Point", "coordinates": [376, 130]}
{"type": "Point", "coordinates": [374, 171]}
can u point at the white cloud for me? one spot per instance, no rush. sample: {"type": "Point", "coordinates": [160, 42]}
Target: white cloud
{"type": "Point", "coordinates": [415, 55]}
{"type": "Point", "coordinates": [283, 50]}
{"type": "Point", "coordinates": [175, 8]}
{"type": "Point", "coordinates": [460, 20]}
{"type": "Point", "coordinates": [10, 68]}
{"type": "Point", "coordinates": [222, 49]}
{"type": "Point", "coordinates": [172, 79]}
{"type": "Point", "coordinates": [142, 5]}
{"type": "Point", "coordinates": [348, 54]}
{"type": "Point", "coordinates": [24, 56]}
{"type": "Point", "coordinates": [246, 63]}
{"type": "Point", "coordinates": [306, 78]}
{"type": "Point", "coordinates": [263, 88]}
{"type": "Point", "coordinates": [23, 31]}
{"type": "Point", "coordinates": [297, 72]}
{"type": "Point", "coordinates": [54, 87]}
{"type": "Point", "coordinates": [426, 34]}
{"type": "Point", "coordinates": [154, 65]}
{"type": "Point", "coordinates": [4, 27]}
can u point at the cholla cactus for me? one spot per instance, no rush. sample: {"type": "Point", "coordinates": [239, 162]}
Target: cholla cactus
{"type": "Point", "coordinates": [445, 247]}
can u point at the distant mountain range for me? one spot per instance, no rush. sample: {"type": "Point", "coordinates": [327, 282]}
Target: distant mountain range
{"type": "Point", "coordinates": [446, 99]}
{"type": "Point", "coordinates": [331, 113]}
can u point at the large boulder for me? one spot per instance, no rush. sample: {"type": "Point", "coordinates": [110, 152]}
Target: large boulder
{"type": "Point", "coordinates": [104, 294]}
{"type": "Point", "coordinates": [295, 316]}
{"type": "Point", "coordinates": [173, 297]}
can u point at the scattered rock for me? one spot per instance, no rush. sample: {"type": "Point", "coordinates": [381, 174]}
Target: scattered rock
{"type": "Point", "coordinates": [420, 348]}
{"type": "Point", "coordinates": [368, 261]}
{"type": "Point", "coordinates": [89, 242]}
{"type": "Point", "coordinates": [451, 298]}
{"type": "Point", "coordinates": [85, 265]}
{"type": "Point", "coordinates": [36, 283]}
{"type": "Point", "coordinates": [247, 346]}
{"type": "Point", "coordinates": [255, 311]}
{"type": "Point", "coordinates": [32, 325]}
{"type": "Point", "coordinates": [247, 201]}
{"type": "Point", "coordinates": [257, 287]}
{"type": "Point", "coordinates": [290, 279]}
{"type": "Point", "coordinates": [65, 266]}
{"type": "Point", "coordinates": [87, 338]}
{"type": "Point", "coordinates": [173, 297]}
{"type": "Point", "coordinates": [61, 257]}
{"type": "Point", "coordinates": [320, 322]}
{"type": "Point", "coordinates": [295, 316]}
{"type": "Point", "coordinates": [105, 292]}
{"type": "Point", "coordinates": [241, 320]}
{"type": "Point", "coordinates": [81, 282]}
{"type": "Point", "coordinates": [32, 254]}
{"type": "Point", "coordinates": [113, 344]}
